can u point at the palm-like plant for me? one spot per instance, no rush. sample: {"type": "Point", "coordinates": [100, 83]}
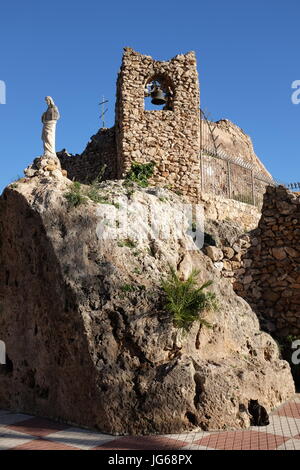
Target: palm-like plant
{"type": "Point", "coordinates": [185, 301]}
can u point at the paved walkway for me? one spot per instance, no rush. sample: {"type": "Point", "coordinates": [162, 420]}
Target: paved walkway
{"type": "Point", "coordinates": [19, 431]}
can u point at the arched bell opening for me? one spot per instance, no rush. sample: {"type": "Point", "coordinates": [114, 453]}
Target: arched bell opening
{"type": "Point", "coordinates": [159, 94]}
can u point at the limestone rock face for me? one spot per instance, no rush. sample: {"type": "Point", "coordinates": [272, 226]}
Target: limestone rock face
{"type": "Point", "coordinates": [87, 337]}
{"type": "Point", "coordinates": [233, 141]}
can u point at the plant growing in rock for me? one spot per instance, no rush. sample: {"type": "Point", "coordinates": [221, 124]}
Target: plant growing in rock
{"type": "Point", "coordinates": [74, 196]}
{"type": "Point", "coordinates": [139, 173]}
{"type": "Point", "coordinates": [185, 300]}
{"type": "Point", "coordinates": [93, 190]}
{"type": "Point", "coordinates": [99, 177]}
{"type": "Point", "coordinates": [78, 195]}
{"type": "Point", "coordinates": [128, 288]}
{"type": "Point", "coordinates": [127, 242]}
{"type": "Point", "coordinates": [93, 194]}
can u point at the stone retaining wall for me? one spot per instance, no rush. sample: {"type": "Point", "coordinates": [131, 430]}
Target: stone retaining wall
{"type": "Point", "coordinates": [270, 281]}
{"type": "Point", "coordinates": [219, 208]}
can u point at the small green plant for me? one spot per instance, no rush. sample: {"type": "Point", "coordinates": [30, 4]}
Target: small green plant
{"type": "Point", "coordinates": [127, 242]}
{"type": "Point", "coordinates": [129, 192]}
{"type": "Point", "coordinates": [13, 185]}
{"type": "Point", "coordinates": [75, 196]}
{"type": "Point", "coordinates": [93, 194]}
{"type": "Point", "coordinates": [128, 288]}
{"type": "Point", "coordinates": [136, 253]}
{"type": "Point", "coordinates": [137, 271]}
{"type": "Point", "coordinates": [139, 173]}
{"type": "Point", "coordinates": [185, 301]}
{"type": "Point", "coordinates": [162, 199]}
{"type": "Point", "coordinates": [99, 177]}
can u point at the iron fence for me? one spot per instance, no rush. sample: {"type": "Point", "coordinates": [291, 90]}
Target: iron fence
{"type": "Point", "coordinates": [229, 176]}
{"type": "Point", "coordinates": [293, 186]}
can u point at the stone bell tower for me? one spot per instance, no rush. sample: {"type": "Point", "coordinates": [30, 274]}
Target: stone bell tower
{"type": "Point", "coordinates": [170, 137]}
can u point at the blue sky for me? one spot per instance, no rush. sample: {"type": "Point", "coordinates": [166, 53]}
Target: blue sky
{"type": "Point", "coordinates": [247, 53]}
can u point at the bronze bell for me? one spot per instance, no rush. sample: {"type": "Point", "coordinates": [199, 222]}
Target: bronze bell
{"type": "Point", "coordinates": [158, 96]}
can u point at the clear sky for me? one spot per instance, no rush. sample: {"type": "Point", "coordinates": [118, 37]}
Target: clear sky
{"type": "Point", "coordinates": [247, 53]}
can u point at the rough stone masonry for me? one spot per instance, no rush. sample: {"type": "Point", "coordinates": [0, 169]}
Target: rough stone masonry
{"type": "Point", "coordinates": [170, 137]}
{"type": "Point", "coordinates": [271, 280]}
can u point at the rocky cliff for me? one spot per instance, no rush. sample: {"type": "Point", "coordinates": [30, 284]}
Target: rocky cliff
{"type": "Point", "coordinates": [88, 338]}
{"type": "Point", "coordinates": [234, 142]}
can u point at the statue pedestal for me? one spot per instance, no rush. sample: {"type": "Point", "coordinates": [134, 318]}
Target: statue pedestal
{"type": "Point", "coordinates": [45, 165]}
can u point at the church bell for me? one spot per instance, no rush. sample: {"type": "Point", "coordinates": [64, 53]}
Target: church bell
{"type": "Point", "coordinates": [158, 96]}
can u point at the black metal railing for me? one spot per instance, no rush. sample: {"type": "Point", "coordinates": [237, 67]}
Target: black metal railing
{"type": "Point", "coordinates": [293, 186]}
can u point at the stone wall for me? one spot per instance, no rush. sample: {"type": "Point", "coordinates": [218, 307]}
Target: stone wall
{"type": "Point", "coordinates": [270, 280]}
{"type": "Point", "coordinates": [222, 209]}
{"type": "Point", "coordinates": [100, 156]}
{"type": "Point", "coordinates": [170, 138]}
{"type": "Point", "coordinates": [227, 254]}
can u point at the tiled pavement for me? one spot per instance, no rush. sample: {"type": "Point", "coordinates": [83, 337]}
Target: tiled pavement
{"type": "Point", "coordinates": [24, 432]}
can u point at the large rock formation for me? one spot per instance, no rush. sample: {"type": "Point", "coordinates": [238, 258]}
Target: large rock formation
{"type": "Point", "coordinates": [88, 339]}
{"type": "Point", "coordinates": [233, 141]}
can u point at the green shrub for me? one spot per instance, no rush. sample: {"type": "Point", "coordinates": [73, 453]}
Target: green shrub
{"type": "Point", "coordinates": [127, 242]}
{"type": "Point", "coordinates": [129, 193]}
{"type": "Point", "coordinates": [75, 196]}
{"type": "Point", "coordinates": [93, 191]}
{"type": "Point", "coordinates": [185, 301]}
{"type": "Point", "coordinates": [128, 288]}
{"type": "Point", "coordinates": [99, 177]}
{"type": "Point", "coordinates": [140, 173]}
{"type": "Point", "coordinates": [93, 194]}
{"type": "Point", "coordinates": [137, 270]}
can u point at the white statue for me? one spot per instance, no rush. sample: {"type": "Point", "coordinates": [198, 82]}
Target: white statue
{"type": "Point", "coordinates": [49, 119]}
